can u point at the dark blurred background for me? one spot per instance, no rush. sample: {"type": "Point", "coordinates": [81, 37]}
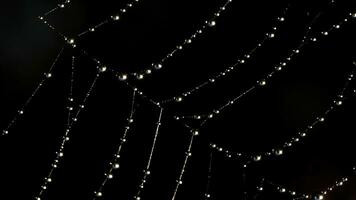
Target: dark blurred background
{"type": "Point", "coordinates": [260, 121]}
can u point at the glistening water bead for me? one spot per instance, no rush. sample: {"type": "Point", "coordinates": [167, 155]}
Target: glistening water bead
{"type": "Point", "coordinates": [158, 66]}
{"type": "Point", "coordinates": [115, 17]}
{"type": "Point", "coordinates": [212, 23]}
{"type": "Point", "coordinates": [262, 82]}
{"type": "Point", "coordinates": [102, 69]}
{"type": "Point", "coordinates": [123, 77]}
{"type": "Point", "coordinates": [71, 41]}
{"type": "Point", "coordinates": [338, 103]}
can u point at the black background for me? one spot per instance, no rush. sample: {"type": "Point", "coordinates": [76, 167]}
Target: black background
{"type": "Point", "coordinates": [258, 122]}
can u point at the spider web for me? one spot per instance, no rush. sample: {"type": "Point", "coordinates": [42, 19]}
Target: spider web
{"type": "Point", "coordinates": [100, 70]}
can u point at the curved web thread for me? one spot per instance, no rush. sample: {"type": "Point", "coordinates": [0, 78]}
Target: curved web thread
{"type": "Point", "coordinates": [188, 154]}
{"type": "Point", "coordinates": [278, 152]}
{"type": "Point", "coordinates": [114, 164]}
{"type": "Point", "coordinates": [263, 82]}
{"type": "Point", "coordinates": [299, 137]}
{"type": "Point", "coordinates": [196, 131]}
{"type": "Point", "coordinates": [65, 139]}
{"type": "Point", "coordinates": [154, 66]}
{"type": "Point", "coordinates": [44, 80]}
{"type": "Point", "coordinates": [211, 22]}
{"type": "Point", "coordinates": [160, 103]}
{"type": "Point", "coordinates": [337, 26]}
{"type": "Point", "coordinates": [222, 8]}
{"type": "Point", "coordinates": [247, 56]}
{"type": "Point", "coordinates": [75, 118]}
{"type": "Point", "coordinates": [278, 68]}
{"type": "Point", "coordinates": [179, 98]}
{"type": "Point", "coordinates": [321, 195]}
{"type": "Point", "coordinates": [283, 190]}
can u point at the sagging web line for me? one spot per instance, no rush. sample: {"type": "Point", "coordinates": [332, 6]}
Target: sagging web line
{"type": "Point", "coordinates": [102, 69]}
{"type": "Point", "coordinates": [265, 184]}
{"type": "Point", "coordinates": [155, 66]}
